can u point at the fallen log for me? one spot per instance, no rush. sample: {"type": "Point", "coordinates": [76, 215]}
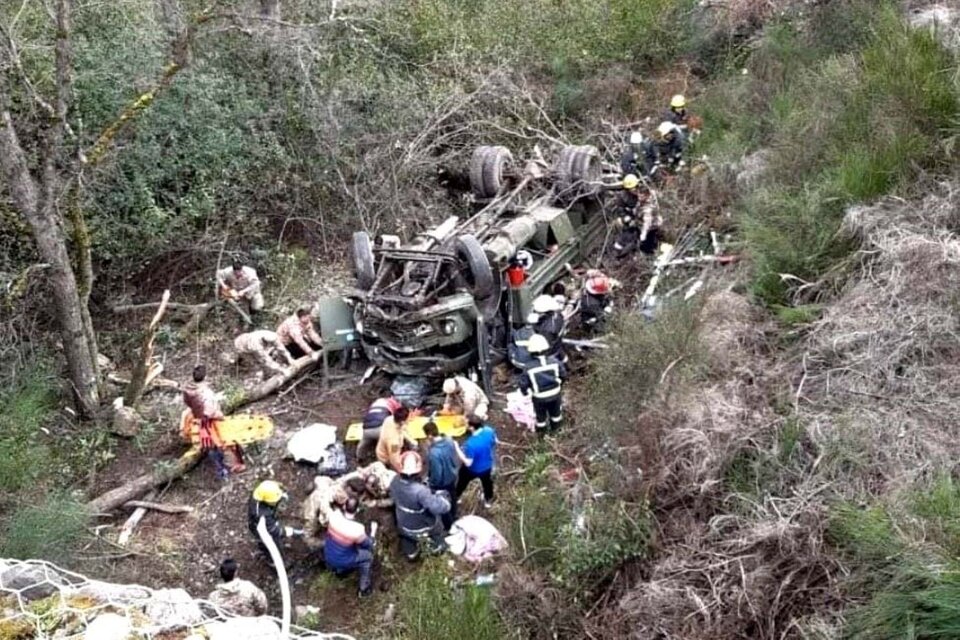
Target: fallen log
{"type": "Point", "coordinates": [153, 382]}
{"type": "Point", "coordinates": [156, 506]}
{"type": "Point", "coordinates": [139, 377]}
{"type": "Point", "coordinates": [271, 385]}
{"type": "Point", "coordinates": [127, 529]}
{"type": "Point", "coordinates": [162, 473]}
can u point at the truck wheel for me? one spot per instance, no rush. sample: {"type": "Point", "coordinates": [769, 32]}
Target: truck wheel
{"type": "Point", "coordinates": [470, 251]}
{"type": "Point", "coordinates": [363, 259]}
{"type": "Point", "coordinates": [499, 161]}
{"type": "Point", "coordinates": [488, 170]}
{"type": "Point", "coordinates": [575, 166]}
{"type": "Point", "coordinates": [477, 161]}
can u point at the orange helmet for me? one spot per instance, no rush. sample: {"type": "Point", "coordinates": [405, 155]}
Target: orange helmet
{"type": "Point", "coordinates": [598, 284]}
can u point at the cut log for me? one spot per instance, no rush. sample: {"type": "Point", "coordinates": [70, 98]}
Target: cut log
{"type": "Point", "coordinates": [156, 506]}
{"type": "Point", "coordinates": [138, 380]}
{"type": "Point", "coordinates": [271, 385]}
{"type": "Point", "coordinates": [162, 473]}
{"type": "Point", "coordinates": [152, 382]}
{"type": "Point", "coordinates": [127, 529]}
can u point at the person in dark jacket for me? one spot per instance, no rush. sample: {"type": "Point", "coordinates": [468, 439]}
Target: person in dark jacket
{"type": "Point", "coordinates": [543, 380]}
{"type": "Point", "coordinates": [263, 505]}
{"type": "Point", "coordinates": [665, 152]}
{"type": "Point", "coordinates": [551, 324]}
{"type": "Point", "coordinates": [631, 161]}
{"type": "Point", "coordinates": [348, 548]}
{"type": "Point", "coordinates": [595, 302]}
{"type": "Point", "coordinates": [517, 349]}
{"type": "Point", "coordinates": [418, 509]}
{"type": "Point", "coordinates": [677, 113]}
{"type": "Point", "coordinates": [442, 469]}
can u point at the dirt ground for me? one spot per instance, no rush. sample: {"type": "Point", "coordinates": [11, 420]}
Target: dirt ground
{"type": "Point", "coordinates": [185, 550]}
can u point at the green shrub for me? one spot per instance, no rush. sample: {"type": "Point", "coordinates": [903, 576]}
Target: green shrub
{"type": "Point", "coordinates": [600, 539]}
{"type": "Point", "coordinates": [48, 530]}
{"type": "Point", "coordinates": [431, 605]}
{"type": "Point", "coordinates": [24, 457]}
{"type": "Point", "coordinates": [938, 505]}
{"type": "Point", "coordinates": [867, 535]}
{"type": "Point", "coordinates": [641, 353]}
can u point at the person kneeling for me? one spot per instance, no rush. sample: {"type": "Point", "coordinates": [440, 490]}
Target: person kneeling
{"type": "Point", "coordinates": [347, 547]}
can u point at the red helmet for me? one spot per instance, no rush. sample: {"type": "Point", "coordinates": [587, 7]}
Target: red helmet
{"type": "Point", "coordinates": [598, 285]}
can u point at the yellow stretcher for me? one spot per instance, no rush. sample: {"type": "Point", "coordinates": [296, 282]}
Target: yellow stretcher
{"type": "Point", "coordinates": [239, 429]}
{"type": "Point", "coordinates": [454, 426]}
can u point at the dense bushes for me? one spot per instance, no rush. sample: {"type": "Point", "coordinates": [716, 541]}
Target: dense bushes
{"type": "Point", "coordinates": [851, 116]}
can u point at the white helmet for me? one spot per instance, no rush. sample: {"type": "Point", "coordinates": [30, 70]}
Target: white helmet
{"type": "Point", "coordinates": [525, 259]}
{"type": "Point", "coordinates": [537, 344]}
{"type": "Point", "coordinates": [410, 463]}
{"type": "Point", "coordinates": [533, 317]}
{"type": "Point", "coordinates": [666, 128]}
{"type": "Point", "coordinates": [636, 137]}
{"type": "Point", "coordinates": [450, 386]}
{"type": "Point", "coordinates": [545, 304]}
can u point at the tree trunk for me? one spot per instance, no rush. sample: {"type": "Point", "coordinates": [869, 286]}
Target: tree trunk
{"type": "Point", "coordinates": [162, 473]}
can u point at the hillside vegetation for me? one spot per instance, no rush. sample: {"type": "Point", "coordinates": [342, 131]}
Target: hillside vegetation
{"type": "Point", "coordinates": [774, 459]}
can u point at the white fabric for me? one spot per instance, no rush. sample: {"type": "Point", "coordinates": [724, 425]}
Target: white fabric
{"type": "Point", "coordinates": [310, 443]}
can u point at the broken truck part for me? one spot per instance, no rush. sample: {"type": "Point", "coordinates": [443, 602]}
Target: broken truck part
{"type": "Point", "coordinates": [432, 306]}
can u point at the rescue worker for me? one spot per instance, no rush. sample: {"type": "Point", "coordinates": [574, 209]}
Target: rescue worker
{"type": "Point", "coordinates": [205, 407]}
{"type": "Point", "coordinates": [263, 505]}
{"type": "Point", "coordinates": [517, 349]}
{"type": "Point", "coordinates": [595, 303]}
{"type": "Point", "coordinates": [370, 484]}
{"type": "Point", "coordinates": [394, 438]}
{"type": "Point", "coordinates": [262, 345]}
{"type": "Point", "coordinates": [236, 596]}
{"type": "Point", "coordinates": [298, 336]}
{"type": "Point", "coordinates": [677, 113]}
{"type": "Point", "coordinates": [379, 410]}
{"type": "Point", "coordinates": [442, 463]}
{"type": "Point", "coordinates": [464, 397]}
{"type": "Point", "coordinates": [477, 457]}
{"type": "Point", "coordinates": [664, 153]}
{"type": "Point", "coordinates": [241, 283]}
{"type": "Point", "coordinates": [348, 548]}
{"type": "Point", "coordinates": [551, 324]}
{"type": "Point", "coordinates": [639, 220]}
{"type": "Point", "coordinates": [418, 509]}
{"type": "Point", "coordinates": [631, 161]}
{"type": "Point", "coordinates": [543, 380]}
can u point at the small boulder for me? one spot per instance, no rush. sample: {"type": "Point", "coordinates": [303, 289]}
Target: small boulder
{"type": "Point", "coordinates": [261, 628]}
{"type": "Point", "coordinates": [126, 422]}
{"type": "Point", "coordinates": [32, 582]}
{"type": "Point", "coordinates": [109, 626]}
{"type": "Point", "coordinates": [173, 608]}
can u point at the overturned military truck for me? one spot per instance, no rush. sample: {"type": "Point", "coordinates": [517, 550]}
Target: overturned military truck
{"type": "Point", "coordinates": [441, 303]}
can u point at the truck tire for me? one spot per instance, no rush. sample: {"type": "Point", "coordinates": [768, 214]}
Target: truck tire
{"type": "Point", "coordinates": [499, 161]}
{"type": "Point", "coordinates": [471, 252]}
{"type": "Point", "coordinates": [363, 267]}
{"type": "Point", "coordinates": [476, 171]}
{"type": "Point", "coordinates": [575, 166]}
{"type": "Point", "coordinates": [489, 167]}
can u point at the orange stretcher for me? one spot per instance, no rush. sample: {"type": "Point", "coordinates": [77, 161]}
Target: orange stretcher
{"type": "Point", "coordinates": [239, 429]}
{"type": "Point", "coordinates": [454, 426]}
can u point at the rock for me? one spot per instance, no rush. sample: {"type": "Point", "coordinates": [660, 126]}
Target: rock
{"type": "Point", "coordinates": [109, 626]}
{"type": "Point", "coordinates": [260, 628]}
{"type": "Point", "coordinates": [122, 594]}
{"type": "Point", "coordinates": [32, 582]}
{"type": "Point", "coordinates": [942, 21]}
{"type": "Point", "coordinates": [304, 610]}
{"type": "Point", "coordinates": [173, 607]}
{"type": "Point", "coordinates": [126, 422]}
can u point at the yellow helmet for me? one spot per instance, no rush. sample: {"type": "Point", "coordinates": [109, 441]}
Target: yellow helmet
{"type": "Point", "coordinates": [630, 181]}
{"type": "Point", "coordinates": [678, 102]}
{"type": "Point", "coordinates": [270, 492]}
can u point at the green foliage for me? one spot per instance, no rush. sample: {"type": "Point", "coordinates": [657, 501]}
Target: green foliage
{"type": "Point", "coordinates": [866, 534]}
{"type": "Point", "coordinates": [599, 539]}
{"type": "Point", "coordinates": [938, 505]}
{"type": "Point", "coordinates": [642, 352]}
{"type": "Point", "coordinates": [24, 457]}
{"type": "Point", "coordinates": [798, 315]}
{"type": "Point", "coordinates": [48, 530]}
{"type": "Point", "coordinates": [850, 107]}
{"type": "Point", "coordinates": [431, 605]}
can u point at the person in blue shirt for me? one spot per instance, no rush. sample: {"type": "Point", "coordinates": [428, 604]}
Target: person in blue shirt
{"type": "Point", "coordinates": [442, 466]}
{"type": "Point", "coordinates": [477, 456]}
